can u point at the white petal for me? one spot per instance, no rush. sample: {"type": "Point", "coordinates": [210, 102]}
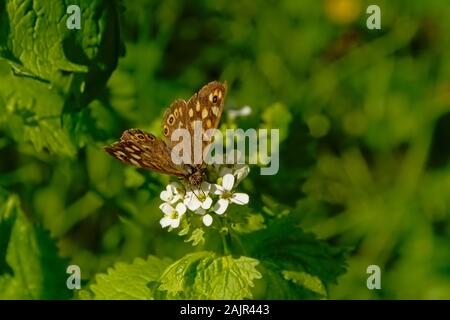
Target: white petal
{"type": "Point", "coordinates": [207, 203]}
{"type": "Point", "coordinates": [175, 199]}
{"type": "Point", "coordinates": [240, 198]}
{"type": "Point", "coordinates": [228, 181]}
{"type": "Point", "coordinates": [217, 189]}
{"type": "Point", "coordinates": [221, 206]}
{"type": "Point", "coordinates": [206, 187]}
{"type": "Point", "coordinates": [187, 197]}
{"type": "Point", "coordinates": [193, 203]}
{"type": "Point", "coordinates": [175, 223]}
{"type": "Point", "coordinates": [166, 208]}
{"type": "Point", "coordinates": [178, 189]}
{"type": "Point", "coordinates": [207, 220]}
{"type": "Point", "coordinates": [245, 111]}
{"type": "Point", "coordinates": [166, 195]}
{"type": "Point", "coordinates": [173, 187]}
{"type": "Point", "coordinates": [165, 221]}
{"type": "Point", "coordinates": [181, 208]}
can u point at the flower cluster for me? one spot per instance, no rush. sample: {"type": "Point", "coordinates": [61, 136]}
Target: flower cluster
{"type": "Point", "coordinates": [207, 200]}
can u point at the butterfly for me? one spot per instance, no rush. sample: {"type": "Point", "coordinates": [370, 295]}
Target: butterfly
{"type": "Point", "coordinates": [145, 150]}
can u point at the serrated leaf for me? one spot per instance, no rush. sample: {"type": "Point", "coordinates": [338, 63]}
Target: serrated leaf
{"type": "Point", "coordinates": [128, 281]}
{"type": "Point", "coordinates": [179, 277]}
{"type": "Point", "coordinates": [50, 72]}
{"type": "Point", "coordinates": [296, 250]}
{"type": "Point", "coordinates": [39, 41]}
{"type": "Point", "coordinates": [84, 294]}
{"type": "Point", "coordinates": [203, 275]}
{"type": "Point", "coordinates": [226, 278]}
{"type": "Point", "coordinates": [306, 280]}
{"type": "Point", "coordinates": [273, 286]}
{"type": "Point", "coordinates": [31, 112]}
{"type": "Point", "coordinates": [29, 261]}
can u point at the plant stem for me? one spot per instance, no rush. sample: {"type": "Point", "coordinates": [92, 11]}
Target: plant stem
{"type": "Point", "coordinates": [226, 248]}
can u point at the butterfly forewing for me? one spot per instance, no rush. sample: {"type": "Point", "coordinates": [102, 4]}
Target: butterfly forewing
{"type": "Point", "coordinates": [175, 117]}
{"type": "Point", "coordinates": [205, 107]}
{"type": "Point", "coordinates": [144, 150]}
{"type": "Point", "coordinates": [209, 104]}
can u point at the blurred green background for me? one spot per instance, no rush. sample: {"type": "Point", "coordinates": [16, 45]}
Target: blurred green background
{"type": "Point", "coordinates": [364, 117]}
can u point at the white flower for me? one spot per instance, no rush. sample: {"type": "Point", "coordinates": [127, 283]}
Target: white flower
{"type": "Point", "coordinates": [240, 171]}
{"type": "Point", "coordinates": [198, 198]}
{"type": "Point", "coordinates": [174, 192]}
{"type": "Point", "coordinates": [227, 195]}
{"type": "Point", "coordinates": [207, 218]}
{"type": "Point", "coordinates": [172, 216]}
{"type": "Point", "coordinates": [239, 168]}
{"type": "Point", "coordinates": [243, 112]}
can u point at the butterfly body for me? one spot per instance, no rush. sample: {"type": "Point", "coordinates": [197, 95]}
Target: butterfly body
{"type": "Point", "coordinates": [144, 150]}
{"type": "Point", "coordinates": [195, 175]}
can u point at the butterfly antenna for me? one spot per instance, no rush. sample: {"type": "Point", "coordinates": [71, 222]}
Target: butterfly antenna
{"type": "Point", "coordinates": [199, 193]}
{"type": "Point", "coordinates": [203, 193]}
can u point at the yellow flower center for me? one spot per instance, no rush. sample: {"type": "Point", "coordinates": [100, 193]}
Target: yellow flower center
{"type": "Point", "coordinates": [174, 215]}
{"type": "Point", "coordinates": [227, 195]}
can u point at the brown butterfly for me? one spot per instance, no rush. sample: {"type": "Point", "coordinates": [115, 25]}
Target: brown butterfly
{"type": "Point", "coordinates": [144, 150]}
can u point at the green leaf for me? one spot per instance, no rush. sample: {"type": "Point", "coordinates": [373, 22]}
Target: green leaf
{"type": "Point", "coordinates": [37, 40]}
{"type": "Point", "coordinates": [179, 277]}
{"type": "Point", "coordinates": [296, 251]}
{"type": "Point", "coordinates": [30, 111]}
{"type": "Point", "coordinates": [274, 286]}
{"type": "Point", "coordinates": [30, 267]}
{"type": "Point", "coordinates": [50, 72]}
{"type": "Point", "coordinates": [128, 281]}
{"type": "Point", "coordinates": [226, 278]}
{"type": "Point", "coordinates": [306, 280]}
{"type": "Point", "coordinates": [203, 275]}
